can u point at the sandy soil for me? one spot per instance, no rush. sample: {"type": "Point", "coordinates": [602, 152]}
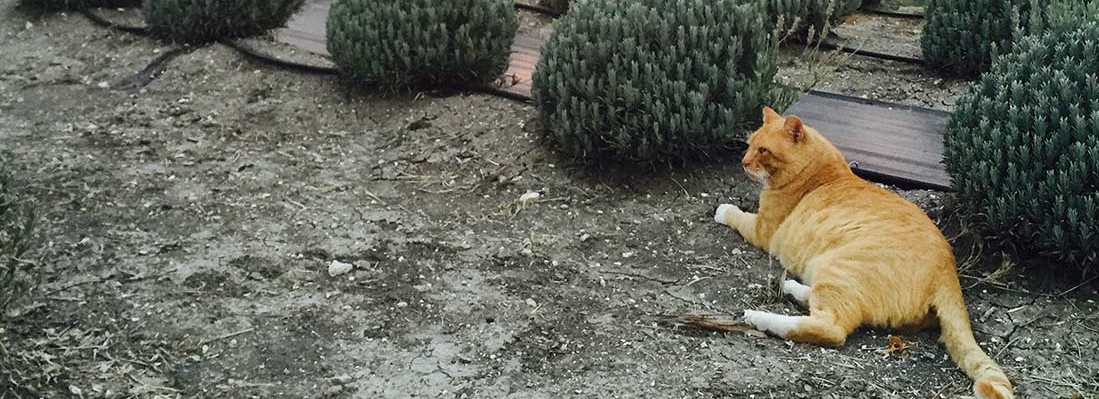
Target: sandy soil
{"type": "Point", "coordinates": [188, 226]}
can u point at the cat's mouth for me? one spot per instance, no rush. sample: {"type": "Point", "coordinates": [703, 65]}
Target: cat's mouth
{"type": "Point", "coordinates": [758, 175]}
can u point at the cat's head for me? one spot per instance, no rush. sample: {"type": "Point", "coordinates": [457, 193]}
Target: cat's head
{"type": "Point", "coordinates": [783, 148]}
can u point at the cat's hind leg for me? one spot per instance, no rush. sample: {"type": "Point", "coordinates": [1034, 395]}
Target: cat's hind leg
{"type": "Point", "coordinates": [816, 329]}
{"type": "Point", "coordinates": [776, 324]}
{"type": "Point", "coordinates": [833, 314]}
{"type": "Point", "coordinates": [819, 328]}
{"type": "Point", "coordinates": [829, 322]}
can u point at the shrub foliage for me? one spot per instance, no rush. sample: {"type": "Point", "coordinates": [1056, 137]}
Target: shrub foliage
{"type": "Point", "coordinates": [810, 14]}
{"type": "Point", "coordinates": [196, 21]}
{"type": "Point", "coordinates": [653, 79]}
{"type": "Point", "coordinates": [78, 4]}
{"type": "Point", "coordinates": [403, 43]}
{"type": "Point", "coordinates": [963, 37]}
{"type": "Point", "coordinates": [1022, 147]}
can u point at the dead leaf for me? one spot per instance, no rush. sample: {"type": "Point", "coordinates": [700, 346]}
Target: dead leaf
{"type": "Point", "coordinates": [897, 346]}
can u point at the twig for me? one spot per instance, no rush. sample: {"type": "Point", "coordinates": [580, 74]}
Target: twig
{"type": "Point", "coordinates": [681, 187]}
{"type": "Point", "coordinates": [1053, 381]}
{"type": "Point", "coordinates": [641, 276]}
{"type": "Point", "coordinates": [1078, 286]}
{"type": "Point", "coordinates": [375, 197]}
{"type": "Point", "coordinates": [713, 322]}
{"type": "Point", "coordinates": [1001, 351]}
{"type": "Point", "coordinates": [230, 335]}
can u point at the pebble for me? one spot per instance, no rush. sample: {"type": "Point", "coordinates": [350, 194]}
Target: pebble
{"type": "Point", "coordinates": [337, 268]}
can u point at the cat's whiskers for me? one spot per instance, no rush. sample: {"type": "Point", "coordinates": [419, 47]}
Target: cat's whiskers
{"type": "Point", "coordinates": [760, 176]}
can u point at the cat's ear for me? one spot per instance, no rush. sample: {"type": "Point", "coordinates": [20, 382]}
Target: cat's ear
{"type": "Point", "coordinates": [794, 128]}
{"type": "Point", "coordinates": [770, 115]}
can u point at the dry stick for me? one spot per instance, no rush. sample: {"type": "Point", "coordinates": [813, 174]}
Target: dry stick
{"type": "Point", "coordinates": [230, 335]}
{"type": "Point", "coordinates": [1001, 351]}
{"type": "Point", "coordinates": [1078, 286]}
{"type": "Point", "coordinates": [641, 276]}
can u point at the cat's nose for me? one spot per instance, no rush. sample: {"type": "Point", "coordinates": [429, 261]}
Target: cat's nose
{"type": "Point", "coordinates": [745, 162]}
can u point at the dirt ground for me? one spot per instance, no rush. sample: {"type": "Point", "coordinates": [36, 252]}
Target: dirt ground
{"type": "Point", "coordinates": [188, 226]}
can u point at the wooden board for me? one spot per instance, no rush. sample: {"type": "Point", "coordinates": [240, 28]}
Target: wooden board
{"type": "Point", "coordinates": [886, 142]}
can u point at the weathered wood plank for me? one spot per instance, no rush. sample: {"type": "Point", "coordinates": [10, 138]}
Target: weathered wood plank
{"type": "Point", "coordinates": [901, 143]}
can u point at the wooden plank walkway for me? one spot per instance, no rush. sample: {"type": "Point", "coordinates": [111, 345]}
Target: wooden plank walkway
{"type": "Point", "coordinates": [886, 142]}
{"type": "Point", "coordinates": [895, 143]}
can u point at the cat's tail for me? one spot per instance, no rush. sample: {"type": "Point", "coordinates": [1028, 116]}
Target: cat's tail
{"type": "Point", "coordinates": [989, 381]}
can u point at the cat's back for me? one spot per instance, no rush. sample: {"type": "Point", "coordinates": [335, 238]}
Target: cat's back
{"type": "Point", "coordinates": [855, 215]}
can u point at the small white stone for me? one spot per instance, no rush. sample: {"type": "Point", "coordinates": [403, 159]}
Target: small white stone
{"type": "Point", "coordinates": [337, 268]}
{"type": "Point", "coordinates": [529, 197]}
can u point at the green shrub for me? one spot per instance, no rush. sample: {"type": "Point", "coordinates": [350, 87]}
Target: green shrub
{"type": "Point", "coordinates": [196, 21]}
{"type": "Point", "coordinates": [653, 79]}
{"type": "Point", "coordinates": [963, 37]}
{"type": "Point", "coordinates": [78, 4]}
{"type": "Point", "coordinates": [1022, 147]}
{"type": "Point", "coordinates": [810, 14]}
{"type": "Point", "coordinates": [1064, 15]}
{"type": "Point", "coordinates": [404, 43]}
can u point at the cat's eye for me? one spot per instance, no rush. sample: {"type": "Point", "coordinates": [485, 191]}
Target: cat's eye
{"type": "Point", "coordinates": [763, 151]}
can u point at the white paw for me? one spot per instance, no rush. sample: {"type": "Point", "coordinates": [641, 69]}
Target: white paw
{"type": "Point", "coordinates": [722, 209]}
{"type": "Point", "coordinates": [777, 324]}
{"type": "Point", "coordinates": [799, 291]}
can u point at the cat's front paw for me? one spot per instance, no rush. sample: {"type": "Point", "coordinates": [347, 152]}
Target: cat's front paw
{"type": "Point", "coordinates": [722, 211]}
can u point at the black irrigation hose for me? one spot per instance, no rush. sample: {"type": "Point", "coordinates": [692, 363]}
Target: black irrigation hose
{"type": "Point", "coordinates": [498, 92]}
{"type": "Point", "coordinates": [95, 18]}
{"type": "Point", "coordinates": [323, 70]}
{"type": "Point", "coordinates": [891, 13]}
{"type": "Point", "coordinates": [537, 9]}
{"type": "Point", "coordinates": [270, 60]}
{"type": "Point", "coordinates": [157, 66]}
{"type": "Point", "coordinates": [829, 45]}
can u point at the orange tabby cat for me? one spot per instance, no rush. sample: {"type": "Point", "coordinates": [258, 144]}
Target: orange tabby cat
{"type": "Point", "coordinates": [867, 256]}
